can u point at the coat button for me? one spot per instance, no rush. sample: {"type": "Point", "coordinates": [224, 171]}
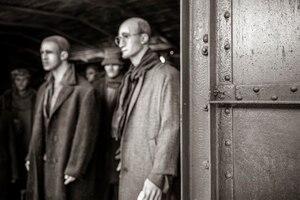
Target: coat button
{"type": "Point", "coordinates": [125, 169]}
{"type": "Point", "coordinates": [54, 160]}
{"type": "Point", "coordinates": [55, 138]}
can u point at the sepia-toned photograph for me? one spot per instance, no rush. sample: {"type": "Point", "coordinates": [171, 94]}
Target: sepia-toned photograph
{"type": "Point", "coordinates": [149, 100]}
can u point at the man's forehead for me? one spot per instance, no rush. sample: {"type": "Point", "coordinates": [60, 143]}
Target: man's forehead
{"type": "Point", "coordinates": [49, 45]}
{"type": "Point", "coordinates": [129, 27]}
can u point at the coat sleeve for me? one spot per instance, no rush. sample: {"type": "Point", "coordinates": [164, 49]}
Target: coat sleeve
{"type": "Point", "coordinates": [12, 150]}
{"type": "Point", "coordinates": [84, 140]}
{"type": "Point", "coordinates": [167, 142]}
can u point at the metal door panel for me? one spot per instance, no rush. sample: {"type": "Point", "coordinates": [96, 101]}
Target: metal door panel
{"type": "Point", "coordinates": [255, 93]}
{"type": "Point", "coordinates": [266, 152]}
{"type": "Point", "coordinates": [266, 35]}
{"type": "Point", "coordinates": [241, 99]}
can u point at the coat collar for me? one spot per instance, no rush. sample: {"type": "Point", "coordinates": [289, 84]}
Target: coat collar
{"type": "Point", "coordinates": [69, 77]}
{"type": "Point", "coordinates": [69, 80]}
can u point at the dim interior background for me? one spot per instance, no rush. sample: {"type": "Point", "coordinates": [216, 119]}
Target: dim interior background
{"type": "Point", "coordinates": [89, 25]}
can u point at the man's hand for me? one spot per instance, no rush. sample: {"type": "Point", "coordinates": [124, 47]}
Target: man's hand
{"type": "Point", "coordinates": [69, 179]}
{"type": "Point", "coordinates": [118, 154]}
{"type": "Point", "coordinates": [27, 165]}
{"type": "Point", "coordinates": [150, 191]}
{"type": "Point", "coordinates": [118, 157]}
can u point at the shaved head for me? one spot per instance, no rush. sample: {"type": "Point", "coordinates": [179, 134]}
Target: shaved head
{"type": "Point", "coordinates": [60, 41]}
{"type": "Point", "coordinates": [140, 24]}
{"type": "Point", "coordinates": [134, 38]}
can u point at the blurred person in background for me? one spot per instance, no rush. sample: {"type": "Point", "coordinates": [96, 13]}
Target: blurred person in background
{"type": "Point", "coordinates": [8, 159]}
{"type": "Point", "coordinates": [107, 88]}
{"type": "Point", "coordinates": [19, 101]}
{"type": "Point", "coordinates": [92, 73]}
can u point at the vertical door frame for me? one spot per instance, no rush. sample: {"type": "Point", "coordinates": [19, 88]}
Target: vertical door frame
{"type": "Point", "coordinates": [197, 168]}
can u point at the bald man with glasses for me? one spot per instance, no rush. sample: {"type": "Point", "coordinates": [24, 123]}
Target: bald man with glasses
{"type": "Point", "coordinates": [146, 118]}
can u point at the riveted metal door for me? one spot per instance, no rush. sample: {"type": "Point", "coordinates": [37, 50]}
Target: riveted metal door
{"type": "Point", "coordinates": [255, 99]}
{"type": "Point", "coordinates": [241, 99]}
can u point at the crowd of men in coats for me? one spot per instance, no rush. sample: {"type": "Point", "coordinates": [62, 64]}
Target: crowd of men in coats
{"type": "Point", "coordinates": [112, 136]}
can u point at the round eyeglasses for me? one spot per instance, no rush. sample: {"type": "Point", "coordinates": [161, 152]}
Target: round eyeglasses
{"type": "Point", "coordinates": [124, 37]}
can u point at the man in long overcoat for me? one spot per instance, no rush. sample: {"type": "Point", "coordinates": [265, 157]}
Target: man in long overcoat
{"type": "Point", "coordinates": [61, 156]}
{"type": "Point", "coordinates": [147, 117]}
{"type": "Point", "coordinates": [107, 88]}
{"type": "Point", "coordinates": [8, 158]}
{"type": "Point", "coordinates": [19, 101]}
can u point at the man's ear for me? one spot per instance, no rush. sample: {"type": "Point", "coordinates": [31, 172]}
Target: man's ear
{"type": "Point", "coordinates": [145, 38]}
{"type": "Point", "coordinates": [64, 55]}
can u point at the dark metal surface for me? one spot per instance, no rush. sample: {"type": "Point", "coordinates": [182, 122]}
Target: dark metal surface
{"type": "Point", "coordinates": [257, 93]}
{"type": "Point", "coordinates": [244, 82]}
{"type": "Point", "coordinates": [266, 41]}
{"type": "Point", "coordinates": [223, 41]}
{"type": "Point", "coordinates": [197, 77]}
{"type": "Point", "coordinates": [185, 104]}
{"type": "Point", "coordinates": [257, 68]}
{"type": "Point", "coordinates": [225, 149]}
{"type": "Point", "coordinates": [266, 153]}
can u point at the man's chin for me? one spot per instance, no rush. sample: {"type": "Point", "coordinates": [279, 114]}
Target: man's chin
{"type": "Point", "coordinates": [124, 56]}
{"type": "Point", "coordinates": [46, 68]}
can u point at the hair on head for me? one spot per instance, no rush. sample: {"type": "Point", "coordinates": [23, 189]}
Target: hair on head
{"type": "Point", "coordinates": [143, 25]}
{"type": "Point", "coordinates": [61, 42]}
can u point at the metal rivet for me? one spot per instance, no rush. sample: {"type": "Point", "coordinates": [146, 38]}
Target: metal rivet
{"type": "Point", "coordinates": [205, 108]}
{"type": "Point", "coordinates": [227, 78]}
{"type": "Point", "coordinates": [205, 51]}
{"type": "Point", "coordinates": [205, 38]}
{"type": "Point", "coordinates": [228, 175]}
{"type": "Point", "coordinates": [227, 46]}
{"type": "Point", "coordinates": [274, 98]}
{"type": "Point", "coordinates": [256, 89]}
{"type": "Point", "coordinates": [227, 14]}
{"type": "Point", "coordinates": [294, 89]}
{"type": "Point", "coordinates": [205, 164]}
{"type": "Point", "coordinates": [227, 111]}
{"type": "Point", "coordinates": [221, 96]}
{"type": "Point", "coordinates": [227, 142]}
{"type": "Point", "coordinates": [239, 97]}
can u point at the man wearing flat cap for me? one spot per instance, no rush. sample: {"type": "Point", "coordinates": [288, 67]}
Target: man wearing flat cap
{"type": "Point", "coordinates": [61, 156]}
{"type": "Point", "coordinates": [107, 88]}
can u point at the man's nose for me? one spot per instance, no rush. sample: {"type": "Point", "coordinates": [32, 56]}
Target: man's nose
{"type": "Point", "coordinates": [121, 43]}
{"type": "Point", "coordinates": [44, 56]}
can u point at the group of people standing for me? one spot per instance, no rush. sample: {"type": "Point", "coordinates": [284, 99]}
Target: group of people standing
{"type": "Point", "coordinates": [116, 137]}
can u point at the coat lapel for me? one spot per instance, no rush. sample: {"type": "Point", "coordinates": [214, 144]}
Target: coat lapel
{"type": "Point", "coordinates": [135, 96]}
{"type": "Point", "coordinates": [63, 95]}
{"type": "Point", "coordinates": [40, 100]}
{"type": "Point", "coordinates": [69, 81]}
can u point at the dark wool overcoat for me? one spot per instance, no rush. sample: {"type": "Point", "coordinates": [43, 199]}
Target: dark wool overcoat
{"type": "Point", "coordinates": [70, 142]}
{"type": "Point", "coordinates": [8, 159]}
{"type": "Point", "coordinates": [150, 141]}
{"type": "Point", "coordinates": [21, 109]}
{"type": "Point", "coordinates": [108, 164]}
